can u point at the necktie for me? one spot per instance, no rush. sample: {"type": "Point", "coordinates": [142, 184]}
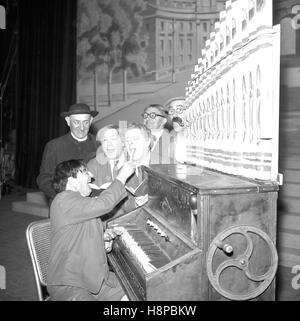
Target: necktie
{"type": "Point", "coordinates": [115, 169]}
{"type": "Point", "coordinates": [154, 139]}
{"type": "Point", "coordinates": [139, 174]}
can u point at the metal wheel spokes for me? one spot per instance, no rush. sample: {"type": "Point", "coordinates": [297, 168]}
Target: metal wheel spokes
{"type": "Point", "coordinates": [242, 263]}
{"type": "Point", "coordinates": [249, 248]}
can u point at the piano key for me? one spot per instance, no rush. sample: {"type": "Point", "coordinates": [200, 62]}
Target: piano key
{"type": "Point", "coordinates": [142, 248]}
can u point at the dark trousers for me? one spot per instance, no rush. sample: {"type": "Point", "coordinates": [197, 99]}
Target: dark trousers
{"type": "Point", "coordinates": [72, 293]}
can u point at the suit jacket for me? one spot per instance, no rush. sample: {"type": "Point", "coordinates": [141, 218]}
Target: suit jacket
{"type": "Point", "coordinates": [77, 255]}
{"type": "Point", "coordinates": [102, 174]}
{"type": "Point", "coordinates": [61, 149]}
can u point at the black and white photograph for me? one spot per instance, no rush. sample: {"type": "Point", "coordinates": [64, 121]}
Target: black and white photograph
{"type": "Point", "coordinates": [149, 151]}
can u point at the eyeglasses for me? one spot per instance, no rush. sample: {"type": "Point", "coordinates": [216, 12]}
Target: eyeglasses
{"type": "Point", "coordinates": [178, 110]}
{"type": "Point", "coordinates": [151, 115]}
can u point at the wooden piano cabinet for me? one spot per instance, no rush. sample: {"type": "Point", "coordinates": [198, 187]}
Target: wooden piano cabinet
{"type": "Point", "coordinates": [226, 203]}
{"type": "Point", "coordinates": [255, 215]}
{"type": "Point", "coordinates": [178, 283]}
{"type": "Point", "coordinates": [232, 214]}
{"type": "Point", "coordinates": [176, 280]}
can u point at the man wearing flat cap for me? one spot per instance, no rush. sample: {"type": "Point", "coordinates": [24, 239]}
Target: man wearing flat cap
{"type": "Point", "coordinates": [77, 144]}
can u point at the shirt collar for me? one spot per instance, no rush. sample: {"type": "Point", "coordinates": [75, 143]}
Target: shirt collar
{"type": "Point", "coordinates": [79, 140]}
{"type": "Point", "coordinates": [146, 160]}
{"type": "Point", "coordinates": [158, 133]}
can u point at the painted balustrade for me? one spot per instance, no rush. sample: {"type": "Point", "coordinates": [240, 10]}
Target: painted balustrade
{"type": "Point", "coordinates": [232, 99]}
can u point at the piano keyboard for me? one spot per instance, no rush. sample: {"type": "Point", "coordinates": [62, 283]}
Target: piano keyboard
{"type": "Point", "coordinates": [151, 260]}
{"type": "Point", "coordinates": [148, 255]}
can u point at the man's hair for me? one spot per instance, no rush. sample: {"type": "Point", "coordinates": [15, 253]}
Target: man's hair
{"type": "Point", "coordinates": [64, 170]}
{"type": "Point", "coordinates": [102, 130]}
{"type": "Point", "coordinates": [159, 107]}
{"type": "Point", "coordinates": [145, 131]}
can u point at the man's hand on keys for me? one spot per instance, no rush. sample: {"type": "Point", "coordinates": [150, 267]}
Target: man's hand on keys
{"type": "Point", "coordinates": [109, 235]}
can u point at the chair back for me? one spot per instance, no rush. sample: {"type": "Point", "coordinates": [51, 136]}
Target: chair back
{"type": "Point", "coordinates": [38, 241]}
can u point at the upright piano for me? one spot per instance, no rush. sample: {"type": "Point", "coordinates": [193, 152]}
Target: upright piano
{"type": "Point", "coordinates": [208, 230]}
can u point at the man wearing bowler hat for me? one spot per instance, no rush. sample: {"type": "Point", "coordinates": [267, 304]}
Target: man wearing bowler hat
{"type": "Point", "coordinates": [77, 144]}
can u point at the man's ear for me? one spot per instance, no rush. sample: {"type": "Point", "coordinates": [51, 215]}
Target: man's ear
{"type": "Point", "coordinates": [165, 121]}
{"type": "Point", "coordinates": [71, 184]}
{"type": "Point", "coordinates": [67, 119]}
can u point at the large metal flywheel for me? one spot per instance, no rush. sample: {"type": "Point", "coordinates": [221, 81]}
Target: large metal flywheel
{"type": "Point", "coordinates": [241, 262]}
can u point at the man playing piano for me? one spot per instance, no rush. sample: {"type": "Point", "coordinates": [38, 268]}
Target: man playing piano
{"type": "Point", "coordinates": [78, 269]}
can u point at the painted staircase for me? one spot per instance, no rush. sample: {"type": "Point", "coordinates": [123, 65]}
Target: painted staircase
{"type": "Point", "coordinates": [35, 204]}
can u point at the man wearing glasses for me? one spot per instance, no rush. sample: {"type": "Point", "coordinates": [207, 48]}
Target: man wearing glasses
{"type": "Point", "coordinates": [155, 119]}
{"type": "Point", "coordinates": [77, 144]}
{"type": "Point", "coordinates": [176, 107]}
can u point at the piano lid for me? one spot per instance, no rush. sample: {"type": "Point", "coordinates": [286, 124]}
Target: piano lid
{"type": "Point", "coordinates": [207, 181]}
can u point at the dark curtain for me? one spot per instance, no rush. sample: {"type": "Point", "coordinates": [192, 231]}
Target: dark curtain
{"type": "Point", "coordinates": [46, 79]}
{"type": "Point", "coordinates": [8, 72]}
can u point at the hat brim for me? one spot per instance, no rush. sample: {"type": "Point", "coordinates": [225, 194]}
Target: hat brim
{"type": "Point", "coordinates": [93, 113]}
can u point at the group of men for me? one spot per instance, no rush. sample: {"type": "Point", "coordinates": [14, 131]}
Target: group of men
{"type": "Point", "coordinates": [87, 179]}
